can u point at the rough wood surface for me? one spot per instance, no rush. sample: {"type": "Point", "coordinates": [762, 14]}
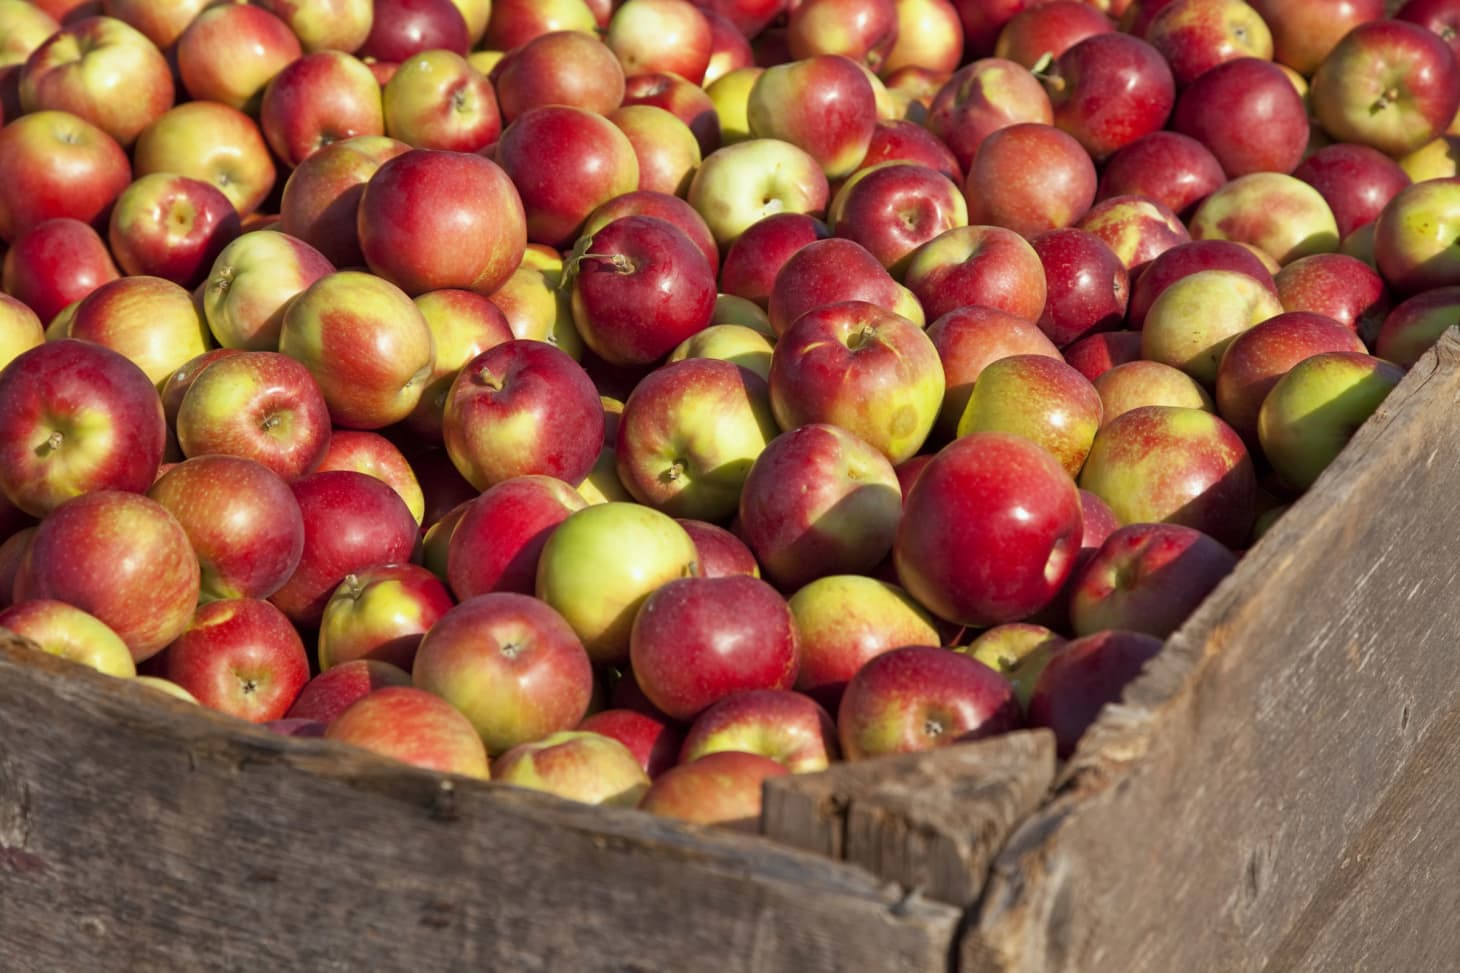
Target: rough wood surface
{"type": "Point", "coordinates": [141, 833]}
{"type": "Point", "coordinates": [1278, 790]}
{"type": "Point", "coordinates": [932, 822]}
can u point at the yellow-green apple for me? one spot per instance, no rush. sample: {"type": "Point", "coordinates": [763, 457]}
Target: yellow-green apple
{"type": "Point", "coordinates": [151, 320]}
{"type": "Point", "coordinates": [640, 286]}
{"type": "Point", "coordinates": [842, 621]}
{"type": "Point", "coordinates": [23, 27]}
{"type": "Point", "coordinates": [1087, 286]}
{"type": "Point", "coordinates": [1315, 408]}
{"type": "Point", "coordinates": [317, 99]}
{"type": "Point", "coordinates": [687, 102]}
{"type": "Point", "coordinates": [56, 164]}
{"type": "Point", "coordinates": [332, 690]}
{"type": "Point", "coordinates": [475, 13]}
{"type": "Point", "coordinates": [536, 305]}
{"type": "Point", "coordinates": [1174, 169]}
{"type": "Point", "coordinates": [741, 311]}
{"type": "Point", "coordinates": [653, 740]}
{"type": "Point", "coordinates": [1185, 259]}
{"type": "Point", "coordinates": [1049, 28]}
{"type": "Point", "coordinates": [1108, 90]}
{"type": "Point", "coordinates": [561, 67]}
{"type": "Point", "coordinates": [58, 628]}
{"type": "Point", "coordinates": [75, 418]}
{"type": "Point", "coordinates": [824, 105]}
{"type": "Point", "coordinates": [920, 697]}
{"type": "Point", "coordinates": [987, 265]}
{"type": "Point", "coordinates": [522, 407]}
{"type": "Point", "coordinates": [352, 521]}
{"type": "Point", "coordinates": [730, 94]}
{"type": "Point", "coordinates": [831, 271]}
{"type": "Point", "coordinates": [1416, 323]}
{"type": "Point", "coordinates": [565, 162]}
{"type": "Point", "coordinates": [739, 184]}
{"type": "Point", "coordinates": [737, 343]}
{"type": "Point", "coordinates": [860, 367]}
{"type": "Point", "coordinates": [1039, 398]}
{"type": "Point", "coordinates": [754, 259]}
{"type": "Point", "coordinates": [989, 531]}
{"type": "Point", "coordinates": [576, 765]}
{"type": "Point", "coordinates": [819, 501]}
{"type": "Point", "coordinates": [1303, 34]}
{"type": "Point", "coordinates": [340, 25]}
{"type": "Point", "coordinates": [321, 198]}
{"type": "Point", "coordinates": [515, 22]}
{"type": "Point", "coordinates": [601, 562]}
{"type": "Point", "coordinates": [414, 727]}
{"type": "Point", "coordinates": [1081, 677]}
{"type": "Point", "coordinates": [436, 538]}
{"type": "Point", "coordinates": [1174, 465]}
{"type": "Point", "coordinates": [689, 434]}
{"type": "Point", "coordinates": [666, 206]}
{"type": "Point", "coordinates": [863, 30]}
{"type": "Point", "coordinates": [1029, 177]}
{"type": "Point", "coordinates": [372, 453]}
{"type": "Point", "coordinates": [171, 226]}
{"type": "Point", "coordinates": [365, 342]}
{"type": "Point", "coordinates": [1132, 384]}
{"type": "Point", "coordinates": [1433, 160]}
{"type": "Point", "coordinates": [437, 100]}
{"type": "Point", "coordinates": [929, 35]}
{"type": "Point", "coordinates": [381, 613]}
{"type": "Point", "coordinates": [241, 519]}
{"type": "Point", "coordinates": [260, 405]}
{"type": "Point", "coordinates": [1192, 321]}
{"type": "Point", "coordinates": [1389, 84]}
{"type": "Point", "coordinates": [212, 142]}
{"type": "Point", "coordinates": [982, 97]}
{"type": "Point", "coordinates": [463, 324]}
{"type": "Point", "coordinates": [893, 208]}
{"type": "Point", "coordinates": [1339, 286]}
{"type": "Point", "coordinates": [970, 338]}
{"type": "Point", "coordinates": [648, 36]}
{"type": "Point", "coordinates": [121, 557]}
{"type": "Point", "coordinates": [1248, 113]}
{"type": "Point", "coordinates": [1413, 235]}
{"type": "Point", "coordinates": [54, 264]}
{"type": "Point", "coordinates": [1197, 35]}
{"type": "Point", "coordinates": [1137, 228]}
{"type": "Point", "coordinates": [1016, 650]}
{"type": "Point", "coordinates": [721, 551]}
{"type": "Point", "coordinates": [789, 727]}
{"type": "Point", "coordinates": [20, 328]}
{"type": "Point", "coordinates": [1147, 578]}
{"type": "Point", "coordinates": [100, 69]}
{"type": "Point", "coordinates": [696, 641]}
{"type": "Point", "coordinates": [401, 29]}
{"type": "Point", "coordinates": [666, 149]}
{"type": "Point", "coordinates": [231, 51]}
{"type": "Point", "coordinates": [722, 789]}
{"type": "Point", "coordinates": [239, 656]}
{"type": "Point", "coordinates": [499, 536]}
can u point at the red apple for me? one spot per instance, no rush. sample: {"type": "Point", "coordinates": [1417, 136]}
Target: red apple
{"type": "Point", "coordinates": [1185, 259]}
{"type": "Point", "coordinates": [823, 104]}
{"type": "Point", "coordinates": [1303, 34]}
{"type": "Point", "coordinates": [372, 453]}
{"type": "Point", "coordinates": [722, 552]}
{"type": "Point", "coordinates": [54, 264]}
{"type": "Point", "coordinates": [329, 693]}
{"type": "Point", "coordinates": [825, 272]}
{"type": "Point", "coordinates": [863, 30]}
{"type": "Point", "coordinates": [171, 227]}
{"type": "Point", "coordinates": [651, 739]}
{"type": "Point", "coordinates": [414, 727]}
{"type": "Point", "coordinates": [721, 789]}
{"type": "Point", "coordinates": [1096, 354]}
{"type": "Point", "coordinates": [986, 265]}
{"type": "Point", "coordinates": [317, 99]}
{"type": "Point", "coordinates": [660, 35]}
{"type": "Point", "coordinates": [152, 321]}
{"type": "Point", "coordinates": [1197, 35]}
{"type": "Point", "coordinates": [1169, 167]}
{"type": "Point", "coordinates": [515, 22]}
{"type": "Point", "coordinates": [787, 726]}
{"type": "Point", "coordinates": [1138, 229]}
{"type": "Point", "coordinates": [1109, 90]}
{"type": "Point", "coordinates": [402, 28]}
{"type": "Point", "coordinates": [56, 164]}
{"type": "Point", "coordinates": [1049, 29]}
{"type": "Point", "coordinates": [1415, 324]}
{"type": "Point", "coordinates": [320, 25]}
{"type": "Point", "coordinates": [1337, 285]}
{"type": "Point", "coordinates": [1029, 178]}
{"type": "Point", "coordinates": [1355, 180]}
{"type": "Point", "coordinates": [1084, 675]}
{"type": "Point", "coordinates": [1137, 383]}
{"type": "Point", "coordinates": [229, 52]}
{"type": "Point", "coordinates": [982, 97]}
{"type": "Point", "coordinates": [241, 657]}
{"type": "Point", "coordinates": [968, 339]}
{"type": "Point", "coordinates": [1086, 285]}
{"type": "Point", "coordinates": [892, 208]}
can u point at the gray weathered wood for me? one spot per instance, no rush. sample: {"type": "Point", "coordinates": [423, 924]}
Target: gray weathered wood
{"type": "Point", "coordinates": [1278, 790]}
{"type": "Point", "coordinates": [141, 833]}
{"type": "Point", "coordinates": [931, 822]}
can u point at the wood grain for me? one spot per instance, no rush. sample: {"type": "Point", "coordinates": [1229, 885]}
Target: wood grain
{"type": "Point", "coordinates": [1277, 791]}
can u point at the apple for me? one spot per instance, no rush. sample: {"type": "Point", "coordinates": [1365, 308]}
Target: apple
{"type": "Point", "coordinates": [666, 148]}
{"type": "Point", "coordinates": [229, 52]}
{"type": "Point", "coordinates": [321, 197]}
{"type": "Point", "coordinates": [515, 22]}
{"type": "Point", "coordinates": [830, 271]}
{"type": "Point", "coordinates": [654, 741]}
{"type": "Point", "coordinates": [1197, 35]}
{"type": "Point", "coordinates": [1029, 177]}
{"type": "Point", "coordinates": [251, 283]}
{"type": "Point", "coordinates": [740, 344]}
{"type": "Point", "coordinates": [437, 100]}
{"type": "Point", "coordinates": [499, 536]}
{"type": "Point", "coordinates": [1338, 286]}
{"type": "Point", "coordinates": [54, 264]}
{"type": "Point", "coordinates": [1278, 215]}
{"type": "Point", "coordinates": [372, 453]}
{"type": "Point", "coordinates": [320, 25]}
{"type": "Point", "coordinates": [740, 184]}
{"type": "Point", "coordinates": [722, 553]}
{"type": "Point", "coordinates": [1081, 677]}
{"type": "Point", "coordinates": [968, 340]}
{"type": "Point", "coordinates": [1355, 180]}
{"type": "Point", "coordinates": [23, 27]}
{"type": "Point", "coordinates": [903, 140]}
{"type": "Point", "coordinates": [212, 142]}
{"type": "Point", "coordinates": [986, 265]}
{"type": "Point", "coordinates": [894, 207]}
{"type": "Point", "coordinates": [239, 656]}
{"type": "Point", "coordinates": [787, 726]}
{"type": "Point", "coordinates": [1415, 324]}
{"type": "Point", "coordinates": [665, 206]}
{"type": "Point", "coordinates": [1185, 259]}
{"type": "Point", "coordinates": [982, 97]}
{"type": "Point", "coordinates": [1412, 234]}
{"type": "Point", "coordinates": [1315, 408]}
{"type": "Point", "coordinates": [463, 324]}
{"type": "Point", "coordinates": [401, 29]}
{"type": "Point", "coordinates": [58, 628]}
{"type": "Point", "coordinates": [327, 694]}
{"type": "Point", "coordinates": [536, 304]}
{"type": "Point", "coordinates": [1304, 34]}
{"type": "Point", "coordinates": [1172, 168]}
{"type": "Point", "coordinates": [1016, 650]}
{"type": "Point", "coordinates": [822, 104]}
{"type": "Point", "coordinates": [1193, 320]}
{"type": "Point", "coordinates": [1096, 354]}
{"type": "Point", "coordinates": [259, 405]}
{"type": "Point", "coordinates": [1049, 29]}
{"type": "Point", "coordinates": [561, 67]}
{"type": "Point", "coordinates": [56, 164]}
{"type": "Point", "coordinates": [322, 97]}
{"type": "Point", "coordinates": [1137, 229]}
{"type": "Point", "coordinates": [863, 30]}
{"type": "Point", "coordinates": [1132, 384]}
{"type": "Point", "coordinates": [721, 789]}
{"type": "Point", "coordinates": [152, 321]}
{"type": "Point", "coordinates": [648, 36]}
{"type": "Point", "coordinates": [1087, 285]}
{"type": "Point", "coordinates": [753, 260]}
{"type": "Point", "coordinates": [576, 765]}
{"type": "Point", "coordinates": [414, 727]}
{"type": "Point", "coordinates": [1109, 90]}
{"type": "Point", "coordinates": [20, 329]}
{"type": "Point", "coordinates": [1248, 113]}
{"type": "Point", "coordinates": [1040, 399]}
{"type": "Point", "coordinates": [172, 227]}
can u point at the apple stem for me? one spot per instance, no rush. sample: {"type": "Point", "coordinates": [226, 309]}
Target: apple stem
{"type": "Point", "coordinates": [932, 727]}
{"type": "Point", "coordinates": [673, 472]}
{"type": "Point", "coordinates": [1385, 100]}
{"type": "Point", "coordinates": [53, 441]}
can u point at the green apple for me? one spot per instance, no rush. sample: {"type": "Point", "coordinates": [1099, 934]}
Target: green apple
{"type": "Point", "coordinates": [1191, 323]}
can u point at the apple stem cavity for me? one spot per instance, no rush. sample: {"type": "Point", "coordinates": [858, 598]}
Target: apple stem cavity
{"type": "Point", "coordinates": [1390, 96]}
{"type": "Point", "coordinates": [933, 727]}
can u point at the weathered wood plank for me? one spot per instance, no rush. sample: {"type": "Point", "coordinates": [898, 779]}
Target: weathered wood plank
{"type": "Point", "coordinates": [1277, 791]}
{"type": "Point", "coordinates": [932, 822]}
{"type": "Point", "coordinates": [139, 833]}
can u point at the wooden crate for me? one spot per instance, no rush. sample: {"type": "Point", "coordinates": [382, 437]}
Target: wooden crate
{"type": "Point", "coordinates": [1274, 793]}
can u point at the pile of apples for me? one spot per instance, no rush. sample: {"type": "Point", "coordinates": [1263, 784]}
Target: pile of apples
{"type": "Point", "coordinates": [637, 399]}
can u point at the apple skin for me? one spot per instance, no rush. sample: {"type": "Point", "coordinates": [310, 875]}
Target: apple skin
{"type": "Point", "coordinates": [577, 766]}
{"type": "Point", "coordinates": [437, 100]}
{"type": "Point", "coordinates": [1096, 354]}
{"type": "Point", "coordinates": [1197, 35]}
{"type": "Point", "coordinates": [666, 148]}
{"type": "Point", "coordinates": [1087, 286]}
{"type": "Point", "coordinates": [327, 694]}
{"type": "Point", "coordinates": [414, 727]}
{"type": "Point", "coordinates": [1138, 229]}
{"type": "Point", "coordinates": [904, 140]}
{"type": "Point", "coordinates": [862, 31]}
{"type": "Point", "coordinates": [1412, 236]}
{"type": "Point", "coordinates": [260, 405]}
{"type": "Point", "coordinates": [340, 25]}
{"type": "Point", "coordinates": [1084, 675]}
{"type": "Point", "coordinates": [171, 227]}
{"type": "Point", "coordinates": [1052, 27]}
{"type": "Point", "coordinates": [241, 519]}
{"type": "Point", "coordinates": [210, 141]}
{"type": "Point", "coordinates": [401, 29]}
{"type": "Point", "coordinates": [987, 265]}
{"type": "Point", "coordinates": [653, 740]}
{"type": "Point", "coordinates": [753, 261]}
{"type": "Point", "coordinates": [1194, 319]}
{"type": "Point", "coordinates": [496, 542]}
{"type": "Point", "coordinates": [1147, 578]}
{"type": "Point", "coordinates": [374, 454]}
{"type": "Point", "coordinates": [1185, 259]}
{"type": "Point", "coordinates": [1388, 84]}
{"type": "Point", "coordinates": [989, 531]}
{"type": "Point", "coordinates": [1304, 34]}
{"type": "Point", "coordinates": [54, 264]}
{"type": "Point", "coordinates": [251, 283]}
{"type": "Point", "coordinates": [381, 613]}
{"type": "Point", "coordinates": [689, 104]}
{"type": "Point", "coordinates": [742, 183]}
{"type": "Point", "coordinates": [1017, 651]}
{"type": "Point", "coordinates": [352, 521]}
{"type": "Point", "coordinates": [1248, 113]}
{"type": "Point", "coordinates": [75, 418]}
{"type": "Point", "coordinates": [240, 657]}
{"type": "Point", "coordinates": [722, 552]}
{"type": "Point", "coordinates": [601, 562]}
{"type": "Point", "coordinates": [1315, 408]}
{"type": "Point", "coordinates": [649, 36]}
{"type": "Point", "coordinates": [921, 697]}
{"type": "Point", "coordinates": [321, 197]}
{"type": "Point", "coordinates": [319, 98]}
{"type": "Point", "coordinates": [1174, 169]}
{"type": "Point", "coordinates": [893, 208]}
{"type": "Point", "coordinates": [1175, 465]}
{"type": "Point", "coordinates": [515, 22]}
{"type": "Point", "coordinates": [982, 97]}
{"type": "Point", "coordinates": [1415, 324]}
{"type": "Point", "coordinates": [824, 272]}
{"type": "Point", "coordinates": [787, 726]}
{"type": "Point", "coordinates": [66, 631]}
{"type": "Point", "coordinates": [55, 164]}
{"type": "Point", "coordinates": [120, 557]}
{"type": "Point", "coordinates": [721, 789]}
{"type": "Point", "coordinates": [26, 27]}
{"type": "Point", "coordinates": [151, 320]}
{"type": "Point", "coordinates": [1338, 286]}
{"type": "Point", "coordinates": [229, 52]}
{"type": "Point", "coordinates": [1039, 398]}
{"type": "Point", "coordinates": [1355, 180]}
{"type": "Point", "coordinates": [1132, 384]}
{"type": "Point", "coordinates": [21, 329]}
{"type": "Point", "coordinates": [1110, 89]}
{"type": "Point", "coordinates": [741, 344]}
{"type": "Point", "coordinates": [1029, 178]}
{"type": "Point", "coordinates": [824, 104]}
{"type": "Point", "coordinates": [561, 67]}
